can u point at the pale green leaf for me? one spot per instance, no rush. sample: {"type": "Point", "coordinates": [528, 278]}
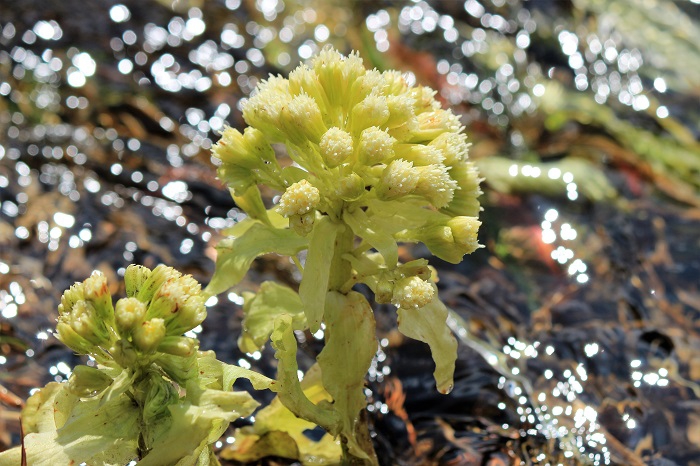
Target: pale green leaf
{"type": "Point", "coordinates": [314, 283]}
{"type": "Point", "coordinates": [237, 253]}
{"type": "Point", "coordinates": [262, 309]}
{"type": "Point", "coordinates": [369, 231]}
{"type": "Point", "coordinates": [289, 389]}
{"type": "Point", "coordinates": [351, 344]}
{"type": "Point", "coordinates": [429, 324]}
{"type": "Point", "coordinates": [89, 432]}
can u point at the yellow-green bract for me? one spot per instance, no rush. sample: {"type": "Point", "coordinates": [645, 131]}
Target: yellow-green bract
{"type": "Point", "coordinates": [371, 161]}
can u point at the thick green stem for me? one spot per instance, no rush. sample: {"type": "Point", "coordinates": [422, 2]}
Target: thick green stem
{"type": "Point", "coordinates": [340, 274]}
{"type": "Point", "coordinates": [341, 269]}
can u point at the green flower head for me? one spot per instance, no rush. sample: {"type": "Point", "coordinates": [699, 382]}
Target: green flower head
{"type": "Point", "coordinates": [161, 305]}
{"type": "Point", "coordinates": [356, 136]}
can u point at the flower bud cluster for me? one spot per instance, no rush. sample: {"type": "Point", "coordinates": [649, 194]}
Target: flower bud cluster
{"type": "Point", "coordinates": [160, 306]}
{"type": "Point", "coordinates": [361, 141]}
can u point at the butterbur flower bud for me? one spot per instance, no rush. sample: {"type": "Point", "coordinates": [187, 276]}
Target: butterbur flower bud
{"type": "Point", "coordinates": [188, 315]}
{"type": "Point", "coordinates": [301, 119]}
{"type": "Point", "coordinates": [149, 334]}
{"type": "Point", "coordinates": [435, 184]}
{"type": "Point", "coordinates": [350, 187]}
{"type": "Point", "coordinates": [178, 346]}
{"type": "Point", "coordinates": [434, 123]}
{"type": "Point", "coordinates": [86, 381]}
{"type": "Point", "coordinates": [419, 154]}
{"type": "Point", "coordinates": [464, 232]}
{"type": "Point", "coordinates": [85, 321]}
{"type": "Point", "coordinates": [412, 292]}
{"type": "Point", "coordinates": [134, 278]}
{"type": "Point", "coordinates": [263, 109]}
{"type": "Point", "coordinates": [128, 314]}
{"type": "Point", "coordinates": [376, 146]}
{"type": "Point", "coordinates": [71, 296]}
{"type": "Point", "coordinates": [372, 111]}
{"type": "Point", "coordinates": [97, 292]}
{"type": "Point", "coordinates": [336, 73]}
{"type": "Point", "coordinates": [300, 198]}
{"type": "Point", "coordinates": [302, 224]}
{"type": "Point", "coordinates": [160, 393]}
{"type": "Point", "coordinates": [336, 146]}
{"type": "Point", "coordinates": [465, 201]}
{"type": "Point", "coordinates": [304, 80]}
{"type": "Point", "coordinates": [157, 277]}
{"type": "Point", "coordinates": [71, 339]}
{"type": "Point", "coordinates": [400, 109]}
{"type": "Point", "coordinates": [454, 147]}
{"type": "Point", "coordinates": [384, 291]}
{"type": "Point", "coordinates": [398, 179]}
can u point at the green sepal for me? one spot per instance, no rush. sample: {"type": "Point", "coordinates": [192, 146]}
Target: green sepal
{"type": "Point", "coordinates": [260, 311]}
{"type": "Point", "coordinates": [237, 253]}
{"type": "Point", "coordinates": [429, 325]}
{"type": "Point", "coordinates": [317, 270]}
{"type": "Point", "coordinates": [350, 338]}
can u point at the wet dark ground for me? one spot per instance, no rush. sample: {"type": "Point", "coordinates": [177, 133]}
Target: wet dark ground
{"type": "Point", "coordinates": [579, 318]}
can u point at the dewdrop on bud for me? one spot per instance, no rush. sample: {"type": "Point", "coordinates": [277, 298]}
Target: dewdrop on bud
{"type": "Point", "coordinates": [435, 184]}
{"type": "Point", "coordinates": [336, 146]}
{"type": "Point", "coordinates": [398, 179]}
{"type": "Point", "coordinates": [300, 198]}
{"type": "Point", "coordinates": [149, 334]}
{"type": "Point", "coordinates": [129, 313]}
{"type": "Point", "coordinates": [376, 146]}
{"type": "Point", "coordinates": [412, 292]}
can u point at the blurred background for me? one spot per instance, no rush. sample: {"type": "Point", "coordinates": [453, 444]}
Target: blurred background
{"type": "Point", "coordinates": [579, 321]}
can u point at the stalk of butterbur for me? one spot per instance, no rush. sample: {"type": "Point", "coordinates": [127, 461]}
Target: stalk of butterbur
{"type": "Point", "coordinates": [376, 162]}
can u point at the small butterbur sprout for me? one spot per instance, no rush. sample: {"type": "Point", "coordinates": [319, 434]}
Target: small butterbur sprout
{"type": "Point", "coordinates": [376, 146]}
{"type": "Point", "coordinates": [300, 198]}
{"type": "Point", "coordinates": [412, 292]}
{"type": "Point", "coordinates": [336, 146]}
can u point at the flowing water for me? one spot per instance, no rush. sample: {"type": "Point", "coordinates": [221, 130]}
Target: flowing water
{"type": "Point", "coordinates": [578, 320]}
